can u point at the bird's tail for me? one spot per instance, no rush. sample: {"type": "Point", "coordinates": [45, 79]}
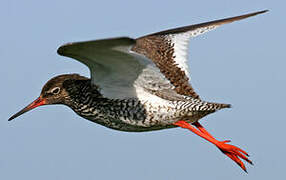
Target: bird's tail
{"type": "Point", "coordinates": [217, 106]}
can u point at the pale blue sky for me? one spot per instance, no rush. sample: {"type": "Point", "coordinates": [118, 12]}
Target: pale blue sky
{"type": "Point", "coordinates": [242, 63]}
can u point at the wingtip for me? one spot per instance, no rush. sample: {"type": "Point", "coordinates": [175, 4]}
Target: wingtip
{"type": "Point", "coordinates": [61, 49]}
{"type": "Point", "coordinates": [259, 12]}
{"type": "Point", "coordinates": [264, 11]}
{"type": "Point", "coordinates": [236, 18]}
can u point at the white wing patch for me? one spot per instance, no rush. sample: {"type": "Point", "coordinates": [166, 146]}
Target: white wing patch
{"type": "Point", "coordinates": [181, 41]}
{"type": "Point", "coordinates": [181, 45]}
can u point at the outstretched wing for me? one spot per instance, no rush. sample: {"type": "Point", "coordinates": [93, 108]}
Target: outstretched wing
{"type": "Point", "coordinates": [169, 50]}
{"type": "Point", "coordinates": [125, 67]}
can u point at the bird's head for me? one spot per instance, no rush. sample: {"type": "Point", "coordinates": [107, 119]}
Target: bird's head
{"type": "Point", "coordinates": [53, 92]}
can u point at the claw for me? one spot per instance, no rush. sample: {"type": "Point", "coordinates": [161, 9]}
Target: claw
{"type": "Point", "coordinates": [237, 160]}
{"type": "Point", "coordinates": [226, 141]}
{"type": "Point", "coordinates": [233, 153]}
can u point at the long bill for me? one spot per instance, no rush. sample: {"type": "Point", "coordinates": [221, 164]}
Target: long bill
{"type": "Point", "coordinates": [38, 102]}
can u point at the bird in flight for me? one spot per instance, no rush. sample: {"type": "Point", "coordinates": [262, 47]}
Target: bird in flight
{"type": "Point", "coordinates": [138, 85]}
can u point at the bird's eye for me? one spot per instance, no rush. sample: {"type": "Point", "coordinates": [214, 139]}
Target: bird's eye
{"type": "Point", "coordinates": [55, 90]}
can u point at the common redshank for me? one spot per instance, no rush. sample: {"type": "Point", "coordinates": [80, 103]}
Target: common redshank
{"type": "Point", "coordinates": [138, 84]}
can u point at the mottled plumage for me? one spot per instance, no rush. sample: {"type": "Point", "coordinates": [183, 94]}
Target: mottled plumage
{"type": "Point", "coordinates": [138, 84]}
{"type": "Point", "coordinates": [129, 114]}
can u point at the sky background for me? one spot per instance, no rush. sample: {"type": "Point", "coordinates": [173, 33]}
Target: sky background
{"type": "Point", "coordinates": [242, 63]}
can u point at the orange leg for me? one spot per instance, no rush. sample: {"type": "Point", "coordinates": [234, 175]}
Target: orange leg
{"type": "Point", "coordinates": [231, 151]}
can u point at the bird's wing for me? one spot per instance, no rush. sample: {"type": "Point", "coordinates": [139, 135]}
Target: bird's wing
{"type": "Point", "coordinates": [125, 67]}
{"type": "Point", "coordinates": [117, 70]}
{"type": "Point", "coordinates": [169, 50]}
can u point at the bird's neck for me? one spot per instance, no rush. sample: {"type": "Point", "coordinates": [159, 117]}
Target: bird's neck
{"type": "Point", "coordinates": [80, 93]}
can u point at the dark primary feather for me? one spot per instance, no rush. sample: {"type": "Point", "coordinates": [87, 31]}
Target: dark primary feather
{"type": "Point", "coordinates": [210, 23]}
